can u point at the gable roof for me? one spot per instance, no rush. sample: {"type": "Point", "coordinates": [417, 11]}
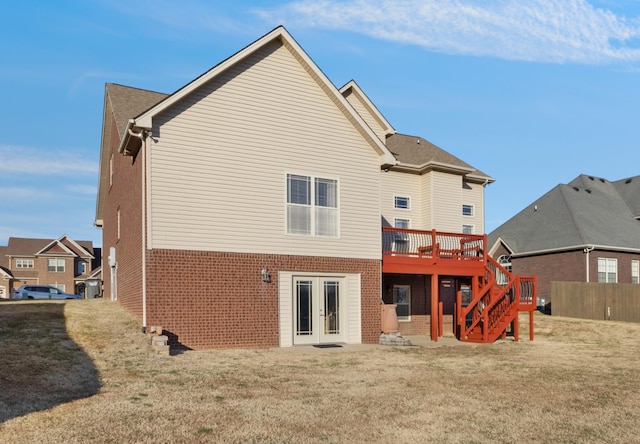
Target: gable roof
{"type": "Point", "coordinates": [26, 247]}
{"type": "Point", "coordinates": [120, 104]}
{"type": "Point", "coordinates": [130, 143]}
{"type": "Point", "coordinates": [352, 88]}
{"type": "Point", "coordinates": [419, 155]}
{"type": "Point", "coordinates": [586, 212]}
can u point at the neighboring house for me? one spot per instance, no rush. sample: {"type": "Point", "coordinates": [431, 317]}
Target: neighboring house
{"type": "Point", "coordinates": [585, 231]}
{"type": "Point", "coordinates": [63, 263]}
{"type": "Point", "coordinates": [259, 206]}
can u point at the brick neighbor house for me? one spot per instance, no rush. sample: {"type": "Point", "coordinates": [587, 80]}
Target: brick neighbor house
{"type": "Point", "coordinates": [261, 206]}
{"type": "Point", "coordinates": [63, 263]}
{"type": "Point", "coordinates": [585, 231]}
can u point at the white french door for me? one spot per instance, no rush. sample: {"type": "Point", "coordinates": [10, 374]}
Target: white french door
{"type": "Point", "coordinates": [318, 308]}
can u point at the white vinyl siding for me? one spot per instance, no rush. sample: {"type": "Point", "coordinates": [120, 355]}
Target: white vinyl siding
{"type": "Point", "coordinates": [473, 195]}
{"type": "Point", "coordinates": [361, 108]}
{"type": "Point", "coordinates": [217, 164]}
{"type": "Point", "coordinates": [447, 201]}
{"type": "Point", "coordinates": [395, 184]}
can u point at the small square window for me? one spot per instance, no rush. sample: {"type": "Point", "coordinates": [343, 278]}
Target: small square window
{"type": "Point", "coordinates": [467, 229]}
{"type": "Point", "coordinates": [467, 210]}
{"type": "Point", "coordinates": [401, 202]}
{"type": "Point", "coordinates": [401, 223]}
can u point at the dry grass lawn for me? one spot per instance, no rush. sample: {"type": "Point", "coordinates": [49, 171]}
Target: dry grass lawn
{"type": "Point", "coordinates": [81, 371]}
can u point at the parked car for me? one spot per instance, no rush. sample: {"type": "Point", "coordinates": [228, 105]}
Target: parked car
{"type": "Point", "coordinates": [42, 292]}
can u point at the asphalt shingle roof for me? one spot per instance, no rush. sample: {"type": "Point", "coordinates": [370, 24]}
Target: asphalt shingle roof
{"type": "Point", "coordinates": [586, 211]}
{"type": "Point", "coordinates": [414, 150]}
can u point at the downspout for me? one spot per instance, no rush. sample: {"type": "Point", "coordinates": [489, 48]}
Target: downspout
{"type": "Point", "coordinates": [587, 250]}
{"type": "Point", "coordinates": [142, 135]}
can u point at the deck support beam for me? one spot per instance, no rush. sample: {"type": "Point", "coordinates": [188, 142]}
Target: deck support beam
{"type": "Point", "coordinates": [435, 321]}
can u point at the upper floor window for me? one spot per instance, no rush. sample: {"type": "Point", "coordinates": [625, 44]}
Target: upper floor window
{"type": "Point", "coordinates": [82, 267]}
{"type": "Point", "coordinates": [312, 206]}
{"type": "Point", "coordinates": [24, 263]}
{"type": "Point", "coordinates": [635, 272]}
{"type": "Point", "coordinates": [401, 202]}
{"type": "Point", "coordinates": [401, 223]}
{"type": "Point", "coordinates": [467, 210]}
{"type": "Point", "coordinates": [607, 270]}
{"type": "Point", "coordinates": [468, 229]}
{"type": "Point", "coordinates": [56, 265]}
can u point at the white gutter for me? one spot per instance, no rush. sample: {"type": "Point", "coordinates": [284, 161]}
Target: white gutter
{"type": "Point", "coordinates": [587, 250]}
{"type": "Point", "coordinates": [576, 247]}
{"type": "Point", "coordinates": [142, 135]}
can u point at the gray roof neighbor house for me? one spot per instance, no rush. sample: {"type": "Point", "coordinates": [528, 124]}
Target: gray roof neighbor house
{"type": "Point", "coordinates": [587, 212]}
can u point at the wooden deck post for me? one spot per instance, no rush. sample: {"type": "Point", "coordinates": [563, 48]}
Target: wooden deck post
{"type": "Point", "coordinates": [434, 308]}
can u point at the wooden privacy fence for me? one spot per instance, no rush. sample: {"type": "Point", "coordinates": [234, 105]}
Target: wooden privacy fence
{"type": "Point", "coordinates": [615, 302]}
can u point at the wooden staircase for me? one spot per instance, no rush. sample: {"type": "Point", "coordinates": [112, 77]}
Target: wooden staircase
{"type": "Point", "coordinates": [489, 312]}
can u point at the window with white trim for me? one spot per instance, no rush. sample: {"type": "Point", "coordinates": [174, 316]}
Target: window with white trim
{"type": "Point", "coordinates": [402, 299]}
{"type": "Point", "coordinates": [468, 229]}
{"type": "Point", "coordinates": [401, 202]}
{"type": "Point", "coordinates": [467, 210]}
{"type": "Point", "coordinates": [111, 170]}
{"type": "Point", "coordinates": [55, 265]}
{"type": "Point", "coordinates": [607, 270]}
{"type": "Point", "coordinates": [635, 272]}
{"type": "Point", "coordinates": [24, 263]}
{"type": "Point", "coordinates": [60, 287]}
{"type": "Point", "coordinates": [312, 206]}
{"type": "Point", "coordinates": [82, 267]}
{"type": "Point", "coordinates": [401, 223]}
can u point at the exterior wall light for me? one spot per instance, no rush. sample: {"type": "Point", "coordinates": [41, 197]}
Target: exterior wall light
{"type": "Point", "coordinates": [266, 277]}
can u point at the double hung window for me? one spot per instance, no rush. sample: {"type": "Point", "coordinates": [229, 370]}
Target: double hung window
{"type": "Point", "coordinates": [55, 265]}
{"type": "Point", "coordinates": [607, 270]}
{"type": "Point", "coordinates": [312, 206]}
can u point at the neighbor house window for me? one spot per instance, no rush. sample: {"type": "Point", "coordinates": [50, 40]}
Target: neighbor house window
{"type": "Point", "coordinates": [402, 299]}
{"type": "Point", "coordinates": [82, 267]}
{"type": "Point", "coordinates": [111, 170]}
{"type": "Point", "coordinates": [635, 272]}
{"type": "Point", "coordinates": [607, 270]}
{"type": "Point", "coordinates": [56, 265]}
{"type": "Point", "coordinates": [24, 263]}
{"type": "Point", "coordinates": [401, 223]}
{"type": "Point", "coordinates": [60, 287]}
{"type": "Point", "coordinates": [467, 210]}
{"type": "Point", "coordinates": [312, 206]}
{"type": "Point", "coordinates": [501, 277]}
{"type": "Point", "coordinates": [401, 202]}
{"type": "Point", "coordinates": [467, 229]}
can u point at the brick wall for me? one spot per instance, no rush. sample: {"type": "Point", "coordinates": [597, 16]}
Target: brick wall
{"type": "Point", "coordinates": [420, 323]}
{"type": "Point", "coordinates": [214, 300]}
{"type": "Point", "coordinates": [126, 195]}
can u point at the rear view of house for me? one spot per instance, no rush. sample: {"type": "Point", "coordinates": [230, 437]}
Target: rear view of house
{"type": "Point", "coordinates": [248, 208]}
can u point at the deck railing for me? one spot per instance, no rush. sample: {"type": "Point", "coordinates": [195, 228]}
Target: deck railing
{"type": "Point", "coordinates": [433, 244]}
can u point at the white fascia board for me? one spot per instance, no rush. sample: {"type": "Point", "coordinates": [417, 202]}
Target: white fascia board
{"type": "Point", "coordinates": [435, 165]}
{"type": "Point", "coordinates": [145, 120]}
{"type": "Point", "coordinates": [496, 244]}
{"type": "Point", "coordinates": [576, 247]}
{"type": "Point", "coordinates": [369, 104]}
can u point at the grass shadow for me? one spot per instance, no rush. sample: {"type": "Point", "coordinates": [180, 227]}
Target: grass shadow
{"type": "Point", "coordinates": [40, 365]}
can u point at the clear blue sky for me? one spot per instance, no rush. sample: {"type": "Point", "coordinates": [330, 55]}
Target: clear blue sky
{"type": "Point", "coordinates": [531, 92]}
